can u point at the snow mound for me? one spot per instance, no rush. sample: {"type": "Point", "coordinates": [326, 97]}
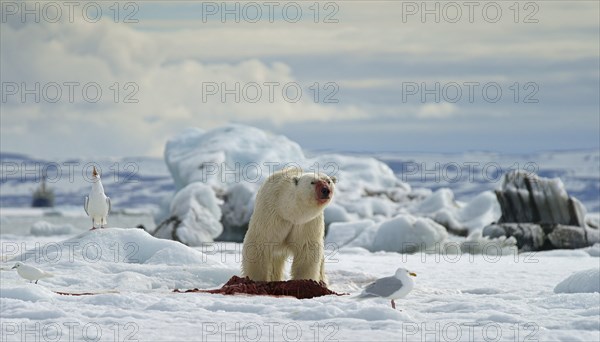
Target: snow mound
{"type": "Point", "coordinates": [116, 245]}
{"type": "Point", "coordinates": [122, 260]}
{"type": "Point", "coordinates": [586, 281]}
{"type": "Point", "coordinates": [594, 250]}
{"type": "Point", "coordinates": [341, 234]}
{"type": "Point", "coordinates": [239, 205]}
{"type": "Point", "coordinates": [29, 293]}
{"type": "Point", "coordinates": [408, 234]}
{"type": "Point", "coordinates": [336, 213]}
{"type": "Point", "coordinates": [404, 234]}
{"type": "Point", "coordinates": [197, 212]}
{"type": "Point", "coordinates": [458, 217]}
{"type": "Point", "coordinates": [43, 228]}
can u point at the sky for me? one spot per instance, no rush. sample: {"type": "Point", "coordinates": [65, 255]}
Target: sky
{"type": "Point", "coordinates": [97, 79]}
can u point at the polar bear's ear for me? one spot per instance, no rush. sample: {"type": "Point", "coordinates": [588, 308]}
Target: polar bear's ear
{"type": "Point", "coordinates": [334, 179]}
{"type": "Point", "coordinates": [296, 179]}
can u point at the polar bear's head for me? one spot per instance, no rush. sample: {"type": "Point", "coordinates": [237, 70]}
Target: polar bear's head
{"type": "Point", "coordinates": [314, 187]}
{"type": "Point", "coordinates": [303, 196]}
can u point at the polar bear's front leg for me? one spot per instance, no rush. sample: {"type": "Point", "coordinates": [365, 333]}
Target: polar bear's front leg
{"type": "Point", "coordinates": [254, 261]}
{"type": "Point", "coordinates": [322, 276]}
{"type": "Point", "coordinates": [264, 261]}
{"type": "Point", "coordinates": [308, 261]}
{"type": "Point", "coordinates": [278, 265]}
{"type": "Point", "coordinates": [264, 253]}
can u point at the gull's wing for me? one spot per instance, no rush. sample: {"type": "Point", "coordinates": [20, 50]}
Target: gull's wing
{"type": "Point", "coordinates": [33, 272]}
{"type": "Point", "coordinates": [383, 287]}
{"type": "Point", "coordinates": [109, 206]}
{"type": "Point", "coordinates": [85, 205]}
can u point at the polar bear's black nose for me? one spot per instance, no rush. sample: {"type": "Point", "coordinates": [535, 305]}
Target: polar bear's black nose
{"type": "Point", "coordinates": [325, 192]}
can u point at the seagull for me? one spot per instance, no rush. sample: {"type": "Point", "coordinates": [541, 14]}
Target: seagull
{"type": "Point", "coordinates": [97, 205]}
{"type": "Point", "coordinates": [394, 287]}
{"type": "Point", "coordinates": [31, 273]}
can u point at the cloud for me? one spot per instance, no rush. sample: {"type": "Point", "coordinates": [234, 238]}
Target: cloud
{"type": "Point", "coordinates": [564, 30]}
{"type": "Point", "coordinates": [167, 61]}
{"type": "Point", "coordinates": [437, 110]}
{"type": "Point", "coordinates": [148, 91]}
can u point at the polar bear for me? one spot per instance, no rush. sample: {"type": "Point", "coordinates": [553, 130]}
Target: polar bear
{"type": "Point", "coordinates": [288, 220]}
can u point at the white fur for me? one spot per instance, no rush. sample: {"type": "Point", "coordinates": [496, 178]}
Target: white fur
{"type": "Point", "coordinates": [287, 220]}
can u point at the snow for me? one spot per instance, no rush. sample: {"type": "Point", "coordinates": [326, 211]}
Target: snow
{"type": "Point", "coordinates": [239, 205]}
{"type": "Point", "coordinates": [594, 250]}
{"type": "Point", "coordinates": [474, 215]}
{"type": "Point", "coordinates": [43, 228]}
{"type": "Point", "coordinates": [469, 288]}
{"type": "Point", "coordinates": [198, 208]}
{"type": "Point", "coordinates": [336, 213]}
{"type": "Point", "coordinates": [408, 234]}
{"type": "Point", "coordinates": [586, 281]}
{"type": "Point", "coordinates": [207, 156]}
{"type": "Point", "coordinates": [476, 296]}
{"type": "Point", "coordinates": [119, 258]}
{"type": "Point", "coordinates": [342, 233]}
{"type": "Point", "coordinates": [20, 221]}
{"type": "Point", "coordinates": [27, 293]}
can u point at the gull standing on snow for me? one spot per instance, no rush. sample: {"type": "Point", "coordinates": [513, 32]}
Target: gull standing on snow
{"type": "Point", "coordinates": [394, 287]}
{"type": "Point", "coordinates": [31, 273]}
{"type": "Point", "coordinates": [97, 205]}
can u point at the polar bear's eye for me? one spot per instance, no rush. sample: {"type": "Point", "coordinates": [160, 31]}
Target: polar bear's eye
{"type": "Point", "coordinates": [313, 182]}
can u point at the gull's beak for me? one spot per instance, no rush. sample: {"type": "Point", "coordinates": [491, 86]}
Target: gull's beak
{"type": "Point", "coordinates": [15, 266]}
{"type": "Point", "coordinates": [413, 274]}
{"type": "Point", "coordinates": [94, 172]}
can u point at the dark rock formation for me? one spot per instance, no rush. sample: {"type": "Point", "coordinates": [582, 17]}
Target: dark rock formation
{"type": "Point", "coordinates": [540, 214]}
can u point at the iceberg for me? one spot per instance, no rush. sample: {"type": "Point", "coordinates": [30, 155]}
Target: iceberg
{"type": "Point", "coordinates": [227, 165]}
{"type": "Point", "coordinates": [218, 172]}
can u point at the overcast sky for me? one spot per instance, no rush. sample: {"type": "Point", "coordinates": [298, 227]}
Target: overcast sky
{"type": "Point", "coordinates": [388, 79]}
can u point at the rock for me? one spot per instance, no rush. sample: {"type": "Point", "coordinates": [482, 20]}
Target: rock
{"type": "Point", "coordinates": [526, 198]}
{"type": "Point", "coordinates": [540, 214]}
{"type": "Point", "coordinates": [572, 237]}
{"type": "Point", "coordinates": [529, 236]}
